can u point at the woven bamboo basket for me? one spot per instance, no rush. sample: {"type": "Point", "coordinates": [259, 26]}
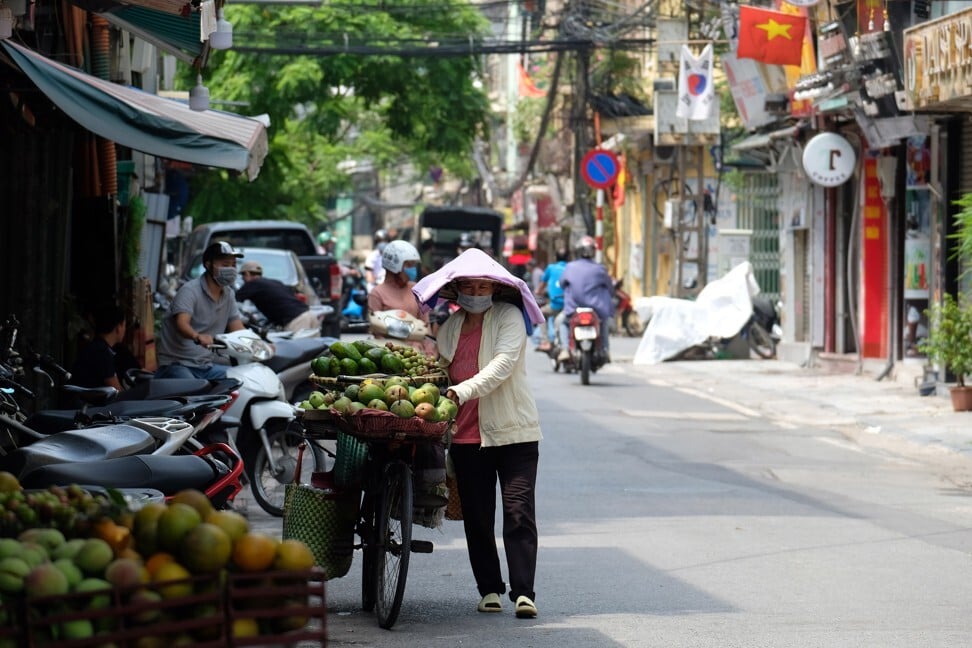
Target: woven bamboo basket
{"type": "Point", "coordinates": [377, 425]}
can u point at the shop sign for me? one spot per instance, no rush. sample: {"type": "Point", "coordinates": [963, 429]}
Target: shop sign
{"type": "Point", "coordinates": [829, 159]}
{"type": "Point", "coordinates": [938, 60]}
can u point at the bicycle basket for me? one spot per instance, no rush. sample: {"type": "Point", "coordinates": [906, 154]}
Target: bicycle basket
{"type": "Point", "coordinates": [378, 425]}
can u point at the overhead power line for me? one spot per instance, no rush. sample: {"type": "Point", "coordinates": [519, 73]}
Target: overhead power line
{"type": "Point", "coordinates": [246, 43]}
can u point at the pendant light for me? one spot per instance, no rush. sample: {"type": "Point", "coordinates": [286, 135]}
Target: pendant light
{"type": "Point", "coordinates": [222, 38]}
{"type": "Point", "coordinates": [199, 96]}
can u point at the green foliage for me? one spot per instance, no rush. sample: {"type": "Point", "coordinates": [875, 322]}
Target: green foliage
{"type": "Point", "coordinates": [962, 236]}
{"type": "Point", "coordinates": [617, 72]}
{"type": "Point", "coordinates": [325, 110]}
{"type": "Point", "coordinates": [949, 340]}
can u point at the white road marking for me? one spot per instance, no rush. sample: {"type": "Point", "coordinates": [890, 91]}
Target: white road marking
{"type": "Point", "coordinates": [694, 416]}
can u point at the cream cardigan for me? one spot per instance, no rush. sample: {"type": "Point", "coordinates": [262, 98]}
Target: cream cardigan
{"type": "Point", "coordinates": [507, 412]}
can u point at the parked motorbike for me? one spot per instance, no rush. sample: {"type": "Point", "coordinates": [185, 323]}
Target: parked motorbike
{"type": "Point", "coordinates": [261, 422]}
{"type": "Point", "coordinates": [763, 330]}
{"type": "Point", "coordinates": [628, 321]}
{"type": "Point", "coordinates": [584, 346]}
{"type": "Point", "coordinates": [761, 334]}
{"type": "Point", "coordinates": [291, 361]}
{"type": "Point", "coordinates": [154, 453]}
{"type": "Point", "coordinates": [354, 299]}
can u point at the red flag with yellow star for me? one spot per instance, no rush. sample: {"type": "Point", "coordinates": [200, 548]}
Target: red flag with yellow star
{"type": "Point", "coordinates": [770, 36]}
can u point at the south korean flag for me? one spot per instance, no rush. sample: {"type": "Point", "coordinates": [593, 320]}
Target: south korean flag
{"type": "Point", "coordinates": [696, 90]}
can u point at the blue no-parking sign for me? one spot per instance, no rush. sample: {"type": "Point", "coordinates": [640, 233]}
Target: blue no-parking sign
{"type": "Point", "coordinates": [600, 168]}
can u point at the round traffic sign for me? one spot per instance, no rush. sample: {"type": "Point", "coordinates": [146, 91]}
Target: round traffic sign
{"type": "Point", "coordinates": [600, 168]}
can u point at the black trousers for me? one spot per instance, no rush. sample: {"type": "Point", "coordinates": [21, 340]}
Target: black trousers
{"type": "Point", "coordinates": [477, 471]}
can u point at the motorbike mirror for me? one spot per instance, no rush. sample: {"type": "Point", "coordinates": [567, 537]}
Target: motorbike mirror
{"type": "Point", "coordinates": [50, 380]}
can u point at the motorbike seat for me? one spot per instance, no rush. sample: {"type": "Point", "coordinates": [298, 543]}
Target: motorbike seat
{"type": "Point", "coordinates": [159, 388]}
{"type": "Point", "coordinates": [51, 421]}
{"type": "Point", "coordinates": [87, 445]}
{"type": "Point", "coordinates": [97, 396]}
{"type": "Point", "coordinates": [292, 352]}
{"type": "Point", "coordinates": [166, 473]}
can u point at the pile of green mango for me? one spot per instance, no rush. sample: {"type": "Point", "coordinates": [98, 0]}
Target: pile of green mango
{"type": "Point", "coordinates": [364, 357]}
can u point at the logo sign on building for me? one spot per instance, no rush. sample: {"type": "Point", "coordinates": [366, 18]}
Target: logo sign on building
{"type": "Point", "coordinates": [938, 60]}
{"type": "Point", "coordinates": [829, 160]}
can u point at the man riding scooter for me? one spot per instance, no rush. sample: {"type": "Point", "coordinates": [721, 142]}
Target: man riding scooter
{"type": "Point", "coordinates": [585, 284]}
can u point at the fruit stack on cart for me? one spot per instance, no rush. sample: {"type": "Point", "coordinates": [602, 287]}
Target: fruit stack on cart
{"type": "Point", "coordinates": [81, 567]}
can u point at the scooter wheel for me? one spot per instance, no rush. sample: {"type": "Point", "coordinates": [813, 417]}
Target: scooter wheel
{"type": "Point", "coordinates": [269, 486]}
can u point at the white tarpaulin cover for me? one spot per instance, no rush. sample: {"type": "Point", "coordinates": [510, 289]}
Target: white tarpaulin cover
{"type": "Point", "coordinates": [720, 311]}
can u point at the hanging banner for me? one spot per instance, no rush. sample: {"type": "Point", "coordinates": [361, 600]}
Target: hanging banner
{"type": "Point", "coordinates": [696, 90]}
{"type": "Point", "coordinates": [874, 265]}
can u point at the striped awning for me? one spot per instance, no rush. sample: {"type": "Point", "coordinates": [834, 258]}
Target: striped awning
{"type": "Point", "coordinates": [146, 122]}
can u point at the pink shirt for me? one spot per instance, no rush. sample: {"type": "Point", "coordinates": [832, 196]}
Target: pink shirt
{"type": "Point", "coordinates": [465, 365]}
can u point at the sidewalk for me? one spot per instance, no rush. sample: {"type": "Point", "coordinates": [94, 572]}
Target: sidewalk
{"type": "Point", "coordinates": [794, 395]}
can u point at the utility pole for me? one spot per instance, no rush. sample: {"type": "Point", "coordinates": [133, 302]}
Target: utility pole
{"type": "Point", "coordinates": [580, 123]}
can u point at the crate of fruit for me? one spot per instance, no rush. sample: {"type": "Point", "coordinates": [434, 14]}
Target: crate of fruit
{"type": "Point", "coordinates": [90, 573]}
{"type": "Point", "coordinates": [271, 608]}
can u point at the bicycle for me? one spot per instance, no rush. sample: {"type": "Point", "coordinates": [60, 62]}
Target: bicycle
{"type": "Point", "coordinates": [385, 516]}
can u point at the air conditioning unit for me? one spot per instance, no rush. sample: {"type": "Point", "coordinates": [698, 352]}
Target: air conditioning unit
{"type": "Point", "coordinates": [664, 155]}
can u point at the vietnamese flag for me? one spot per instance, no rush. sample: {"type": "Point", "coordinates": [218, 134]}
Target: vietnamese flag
{"type": "Point", "coordinates": [770, 36]}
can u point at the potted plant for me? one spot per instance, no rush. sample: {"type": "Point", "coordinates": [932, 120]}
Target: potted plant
{"type": "Point", "coordinates": [949, 343]}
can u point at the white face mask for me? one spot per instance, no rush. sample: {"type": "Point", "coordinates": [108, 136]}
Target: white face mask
{"type": "Point", "coordinates": [475, 303]}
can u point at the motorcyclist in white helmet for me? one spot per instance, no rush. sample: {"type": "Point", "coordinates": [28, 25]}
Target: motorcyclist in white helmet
{"type": "Point", "coordinates": [400, 261]}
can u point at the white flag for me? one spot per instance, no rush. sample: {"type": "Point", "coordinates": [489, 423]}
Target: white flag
{"type": "Point", "coordinates": [696, 90]}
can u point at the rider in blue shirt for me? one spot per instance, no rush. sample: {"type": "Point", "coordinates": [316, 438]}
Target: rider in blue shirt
{"type": "Point", "coordinates": [550, 285]}
{"type": "Point", "coordinates": [586, 283]}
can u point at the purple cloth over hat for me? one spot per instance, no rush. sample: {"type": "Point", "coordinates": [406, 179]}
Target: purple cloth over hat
{"type": "Point", "coordinates": [477, 264]}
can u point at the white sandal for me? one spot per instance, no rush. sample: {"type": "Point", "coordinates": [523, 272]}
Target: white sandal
{"type": "Point", "coordinates": [490, 603]}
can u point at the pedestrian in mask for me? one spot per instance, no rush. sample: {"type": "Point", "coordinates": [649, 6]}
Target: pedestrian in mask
{"type": "Point", "coordinates": [497, 433]}
{"type": "Point", "coordinates": [201, 309]}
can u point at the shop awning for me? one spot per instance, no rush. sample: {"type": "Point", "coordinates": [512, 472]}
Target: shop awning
{"type": "Point", "coordinates": [146, 122]}
{"type": "Point", "coordinates": [177, 35]}
{"type": "Point", "coordinates": [764, 140]}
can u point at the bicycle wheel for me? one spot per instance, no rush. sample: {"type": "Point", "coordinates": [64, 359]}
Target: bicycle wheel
{"type": "Point", "coordinates": [394, 532]}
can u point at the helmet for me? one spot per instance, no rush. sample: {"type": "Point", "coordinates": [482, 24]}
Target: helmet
{"type": "Point", "coordinates": [586, 247]}
{"type": "Point", "coordinates": [396, 253]}
{"type": "Point", "coordinates": [220, 249]}
{"type": "Point", "coordinates": [381, 236]}
{"type": "Point", "coordinates": [324, 238]}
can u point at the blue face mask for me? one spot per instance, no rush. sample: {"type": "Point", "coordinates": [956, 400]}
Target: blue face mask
{"type": "Point", "coordinates": [411, 273]}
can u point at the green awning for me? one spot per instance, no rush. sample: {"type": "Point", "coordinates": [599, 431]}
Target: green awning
{"type": "Point", "coordinates": [146, 122]}
{"type": "Point", "coordinates": [172, 33]}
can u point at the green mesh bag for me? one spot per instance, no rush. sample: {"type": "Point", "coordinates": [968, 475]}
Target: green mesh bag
{"type": "Point", "coordinates": [324, 520]}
